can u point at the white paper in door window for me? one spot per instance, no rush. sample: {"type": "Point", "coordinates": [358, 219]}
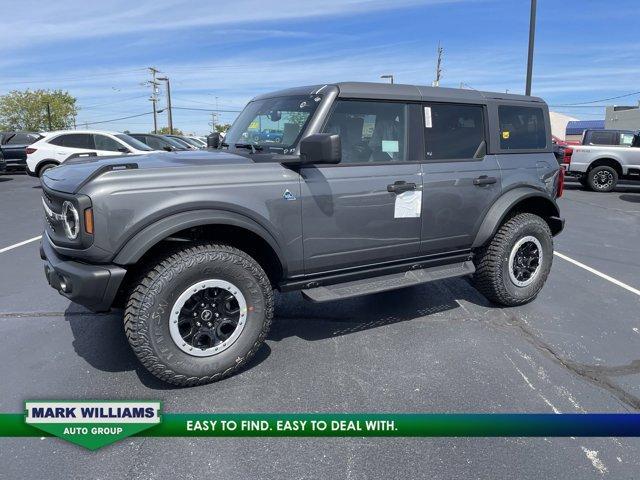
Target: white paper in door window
{"type": "Point", "coordinates": [408, 204]}
{"type": "Point", "coordinates": [427, 117]}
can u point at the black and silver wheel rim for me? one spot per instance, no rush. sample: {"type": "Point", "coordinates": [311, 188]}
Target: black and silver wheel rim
{"type": "Point", "coordinates": [208, 317]}
{"type": "Point", "coordinates": [603, 179]}
{"type": "Point", "coordinates": [525, 261]}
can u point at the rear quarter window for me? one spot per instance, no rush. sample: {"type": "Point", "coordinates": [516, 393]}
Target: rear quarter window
{"type": "Point", "coordinates": [601, 138]}
{"type": "Point", "coordinates": [522, 128]}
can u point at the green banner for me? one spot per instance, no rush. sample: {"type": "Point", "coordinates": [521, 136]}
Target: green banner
{"type": "Point", "coordinates": [102, 430]}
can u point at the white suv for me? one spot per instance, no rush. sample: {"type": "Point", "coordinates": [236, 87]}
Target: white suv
{"type": "Point", "coordinates": [57, 147]}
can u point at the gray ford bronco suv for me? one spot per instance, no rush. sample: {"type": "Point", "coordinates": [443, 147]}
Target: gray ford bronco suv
{"type": "Point", "coordinates": [336, 190]}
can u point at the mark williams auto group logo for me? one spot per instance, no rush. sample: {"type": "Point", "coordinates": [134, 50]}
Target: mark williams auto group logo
{"type": "Point", "coordinates": [92, 424]}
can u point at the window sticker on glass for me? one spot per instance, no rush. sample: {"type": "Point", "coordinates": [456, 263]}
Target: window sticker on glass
{"type": "Point", "coordinates": [505, 135]}
{"type": "Point", "coordinates": [427, 117]}
{"type": "Point", "coordinates": [390, 146]}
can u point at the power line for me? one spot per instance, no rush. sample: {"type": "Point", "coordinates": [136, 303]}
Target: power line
{"type": "Point", "coordinates": [112, 102]}
{"type": "Point", "coordinates": [78, 77]}
{"type": "Point", "coordinates": [206, 109]}
{"type": "Point", "coordinates": [578, 106]}
{"type": "Point", "coordinates": [116, 119]}
{"type": "Point", "coordinates": [601, 100]}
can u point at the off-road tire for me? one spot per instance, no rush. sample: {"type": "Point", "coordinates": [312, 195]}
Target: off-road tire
{"type": "Point", "coordinates": [146, 317]}
{"type": "Point", "coordinates": [592, 178]}
{"type": "Point", "coordinates": [492, 277]}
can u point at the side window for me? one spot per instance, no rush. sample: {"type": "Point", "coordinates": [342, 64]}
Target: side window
{"type": "Point", "coordinates": [59, 141]}
{"type": "Point", "coordinates": [106, 143]}
{"type": "Point", "coordinates": [74, 140]}
{"type": "Point", "coordinates": [369, 131]}
{"type": "Point", "coordinates": [454, 131]}
{"type": "Point", "coordinates": [626, 139]}
{"type": "Point", "coordinates": [521, 128]}
{"type": "Point", "coordinates": [23, 139]}
{"type": "Point", "coordinates": [601, 138]}
{"type": "Point", "coordinates": [154, 143]}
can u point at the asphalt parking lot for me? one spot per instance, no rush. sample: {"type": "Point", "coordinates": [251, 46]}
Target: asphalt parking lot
{"type": "Point", "coordinates": [440, 347]}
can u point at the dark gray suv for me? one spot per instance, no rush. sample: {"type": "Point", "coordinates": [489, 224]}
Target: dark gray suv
{"type": "Point", "coordinates": [336, 190]}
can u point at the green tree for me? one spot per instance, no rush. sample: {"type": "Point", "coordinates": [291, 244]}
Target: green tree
{"type": "Point", "coordinates": [222, 128]}
{"type": "Point", "coordinates": [165, 131]}
{"type": "Point", "coordinates": [27, 110]}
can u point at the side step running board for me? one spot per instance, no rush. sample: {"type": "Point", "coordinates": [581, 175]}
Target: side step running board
{"type": "Point", "coordinates": [384, 283]}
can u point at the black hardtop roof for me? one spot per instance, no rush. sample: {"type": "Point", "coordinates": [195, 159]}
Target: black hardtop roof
{"type": "Point", "coordinates": [372, 90]}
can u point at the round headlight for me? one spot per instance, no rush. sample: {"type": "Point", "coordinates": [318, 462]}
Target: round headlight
{"type": "Point", "coordinates": [71, 221]}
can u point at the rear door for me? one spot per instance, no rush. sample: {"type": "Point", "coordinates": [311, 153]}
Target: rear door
{"type": "Point", "coordinates": [363, 211]}
{"type": "Point", "coordinates": [72, 144]}
{"type": "Point", "coordinates": [460, 181]}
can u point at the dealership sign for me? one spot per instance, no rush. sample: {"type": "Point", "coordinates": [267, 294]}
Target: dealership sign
{"type": "Point", "coordinates": [92, 424]}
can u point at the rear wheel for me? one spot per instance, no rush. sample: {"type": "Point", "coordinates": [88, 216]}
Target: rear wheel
{"type": "Point", "coordinates": [199, 314]}
{"type": "Point", "coordinates": [44, 168]}
{"type": "Point", "coordinates": [602, 178]}
{"type": "Point", "coordinates": [512, 268]}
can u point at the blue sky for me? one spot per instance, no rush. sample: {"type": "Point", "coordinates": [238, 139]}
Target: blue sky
{"type": "Point", "coordinates": [99, 51]}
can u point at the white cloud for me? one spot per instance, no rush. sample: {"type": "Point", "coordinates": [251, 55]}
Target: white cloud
{"type": "Point", "coordinates": [66, 20]}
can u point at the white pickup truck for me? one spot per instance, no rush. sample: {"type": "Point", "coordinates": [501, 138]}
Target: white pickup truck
{"type": "Point", "coordinates": [599, 167]}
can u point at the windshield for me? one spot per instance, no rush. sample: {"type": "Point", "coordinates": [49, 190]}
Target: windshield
{"type": "Point", "coordinates": [275, 124]}
{"type": "Point", "coordinates": [173, 142]}
{"type": "Point", "coordinates": [132, 142]}
{"type": "Point", "coordinates": [180, 142]}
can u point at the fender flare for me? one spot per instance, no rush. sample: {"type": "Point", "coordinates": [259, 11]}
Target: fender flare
{"type": "Point", "coordinates": [149, 236]}
{"type": "Point", "coordinates": [41, 163]}
{"type": "Point", "coordinates": [503, 205]}
{"type": "Point", "coordinates": [612, 158]}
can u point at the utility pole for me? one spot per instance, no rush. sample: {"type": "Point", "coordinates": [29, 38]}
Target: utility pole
{"type": "Point", "coordinates": [49, 115]}
{"type": "Point", "coordinates": [213, 121]}
{"type": "Point", "coordinates": [154, 97]}
{"type": "Point", "coordinates": [169, 114]}
{"type": "Point", "coordinates": [436, 82]}
{"type": "Point", "coordinates": [532, 34]}
{"type": "Point", "coordinates": [390, 77]}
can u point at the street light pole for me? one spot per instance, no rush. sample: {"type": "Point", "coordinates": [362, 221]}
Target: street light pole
{"type": "Point", "coordinates": [390, 77]}
{"type": "Point", "coordinates": [532, 34]}
{"type": "Point", "coordinates": [169, 112]}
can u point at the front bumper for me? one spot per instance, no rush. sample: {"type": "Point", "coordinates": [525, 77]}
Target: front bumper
{"type": "Point", "coordinates": [93, 286]}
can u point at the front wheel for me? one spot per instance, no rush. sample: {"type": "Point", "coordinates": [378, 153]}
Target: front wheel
{"type": "Point", "coordinates": [199, 314]}
{"type": "Point", "coordinates": [512, 268]}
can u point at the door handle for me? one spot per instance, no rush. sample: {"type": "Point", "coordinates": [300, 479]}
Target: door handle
{"type": "Point", "coordinates": [484, 180]}
{"type": "Point", "coordinates": [400, 187]}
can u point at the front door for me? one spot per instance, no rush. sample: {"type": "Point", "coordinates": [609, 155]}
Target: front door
{"type": "Point", "coordinates": [460, 182]}
{"type": "Point", "coordinates": [367, 209]}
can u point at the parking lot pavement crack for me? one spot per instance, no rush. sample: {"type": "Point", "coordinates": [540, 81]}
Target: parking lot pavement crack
{"type": "Point", "coordinates": [598, 375]}
{"type": "Point", "coordinates": [48, 314]}
{"type": "Point", "coordinates": [595, 205]}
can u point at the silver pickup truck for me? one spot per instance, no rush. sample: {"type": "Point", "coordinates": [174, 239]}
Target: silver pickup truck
{"type": "Point", "coordinates": [599, 167]}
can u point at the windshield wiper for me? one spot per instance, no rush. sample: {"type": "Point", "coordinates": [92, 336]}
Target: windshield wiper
{"type": "Point", "coordinates": [252, 146]}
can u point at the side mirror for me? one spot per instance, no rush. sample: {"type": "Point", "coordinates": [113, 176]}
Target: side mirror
{"type": "Point", "coordinates": [320, 148]}
{"type": "Point", "coordinates": [124, 150]}
{"type": "Point", "coordinates": [213, 140]}
{"type": "Point", "coordinates": [168, 148]}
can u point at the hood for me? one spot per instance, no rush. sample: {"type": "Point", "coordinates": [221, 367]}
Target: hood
{"type": "Point", "coordinates": [73, 174]}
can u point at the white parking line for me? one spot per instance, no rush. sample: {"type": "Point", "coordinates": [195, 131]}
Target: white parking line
{"type": "Point", "coordinates": [600, 274]}
{"type": "Point", "coordinates": [16, 245]}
